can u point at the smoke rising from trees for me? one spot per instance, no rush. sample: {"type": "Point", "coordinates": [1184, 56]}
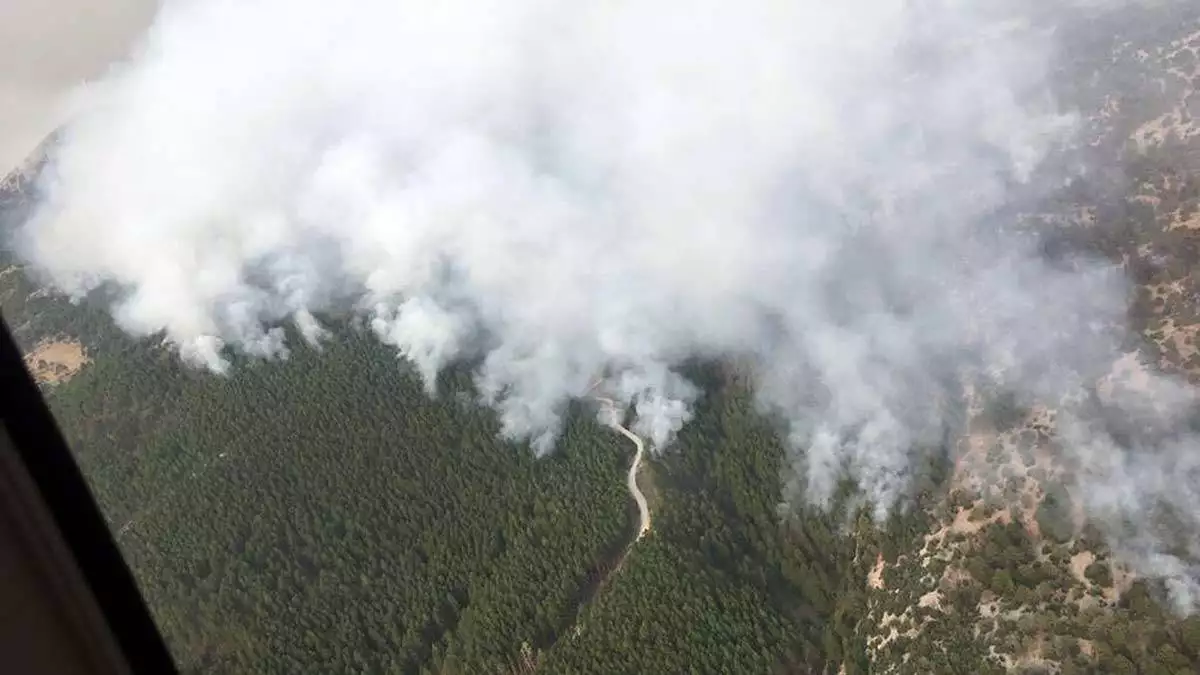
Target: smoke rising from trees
{"type": "Point", "coordinates": [562, 190]}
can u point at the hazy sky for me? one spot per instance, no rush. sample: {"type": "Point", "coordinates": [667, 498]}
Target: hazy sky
{"type": "Point", "coordinates": [46, 46]}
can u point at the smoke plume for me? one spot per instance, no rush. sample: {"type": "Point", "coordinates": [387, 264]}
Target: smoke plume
{"type": "Point", "coordinates": [563, 191]}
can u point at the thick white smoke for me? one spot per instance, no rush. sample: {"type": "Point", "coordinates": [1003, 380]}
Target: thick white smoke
{"type": "Point", "coordinates": [565, 190]}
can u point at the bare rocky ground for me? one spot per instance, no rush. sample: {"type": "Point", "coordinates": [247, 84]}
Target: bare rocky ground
{"type": "Point", "coordinates": [1140, 97]}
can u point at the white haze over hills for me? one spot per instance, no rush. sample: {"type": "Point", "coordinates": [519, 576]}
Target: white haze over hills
{"type": "Point", "coordinates": [565, 190]}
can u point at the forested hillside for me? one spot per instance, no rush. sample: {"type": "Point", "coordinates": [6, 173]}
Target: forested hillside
{"type": "Point", "coordinates": [322, 514]}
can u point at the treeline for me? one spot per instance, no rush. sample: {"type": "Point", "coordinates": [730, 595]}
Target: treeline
{"type": "Point", "coordinates": [323, 515]}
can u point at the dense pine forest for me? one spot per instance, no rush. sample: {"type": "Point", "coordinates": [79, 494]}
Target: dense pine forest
{"type": "Point", "coordinates": [323, 514]}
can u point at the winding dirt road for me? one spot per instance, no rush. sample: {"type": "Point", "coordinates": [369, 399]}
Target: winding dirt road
{"type": "Point", "coordinates": [631, 481]}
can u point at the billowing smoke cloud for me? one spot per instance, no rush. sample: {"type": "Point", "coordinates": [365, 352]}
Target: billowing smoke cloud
{"type": "Point", "coordinates": [570, 190]}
